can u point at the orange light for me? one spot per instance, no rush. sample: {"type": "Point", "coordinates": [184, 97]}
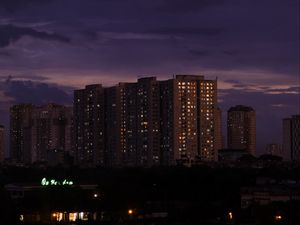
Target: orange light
{"type": "Point", "coordinates": [130, 211]}
{"type": "Point", "coordinates": [230, 215]}
{"type": "Point", "coordinates": [54, 214]}
{"type": "Point", "coordinates": [278, 217]}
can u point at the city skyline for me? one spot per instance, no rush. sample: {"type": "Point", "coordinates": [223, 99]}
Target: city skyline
{"type": "Point", "coordinates": [49, 48]}
{"type": "Point", "coordinates": [146, 123]}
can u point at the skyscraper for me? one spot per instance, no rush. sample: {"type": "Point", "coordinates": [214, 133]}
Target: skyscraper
{"type": "Point", "coordinates": [148, 123]}
{"type": "Point", "coordinates": [40, 133]}
{"type": "Point", "coordinates": [189, 119]}
{"type": "Point", "coordinates": [89, 125]}
{"type": "Point", "coordinates": [291, 138]}
{"type": "Point", "coordinates": [20, 132]}
{"type": "Point", "coordinates": [51, 135]}
{"type": "Point", "coordinates": [2, 145]}
{"type": "Point", "coordinates": [241, 128]}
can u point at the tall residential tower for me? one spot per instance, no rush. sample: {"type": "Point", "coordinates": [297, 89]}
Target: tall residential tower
{"type": "Point", "coordinates": [241, 128]}
{"type": "Point", "coordinates": [291, 138]}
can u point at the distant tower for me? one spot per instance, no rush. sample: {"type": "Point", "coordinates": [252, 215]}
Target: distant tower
{"type": "Point", "coordinates": [89, 125]}
{"type": "Point", "coordinates": [20, 132]}
{"type": "Point", "coordinates": [51, 133]}
{"type": "Point", "coordinates": [40, 133]}
{"type": "Point", "coordinates": [2, 145]}
{"type": "Point", "coordinates": [291, 138]}
{"type": "Point", "coordinates": [241, 128]}
{"type": "Point", "coordinates": [218, 130]}
{"type": "Point", "coordinates": [274, 149]}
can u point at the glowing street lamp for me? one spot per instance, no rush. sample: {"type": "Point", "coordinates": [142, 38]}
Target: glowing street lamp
{"type": "Point", "coordinates": [230, 215]}
{"type": "Point", "coordinates": [278, 218]}
{"type": "Point", "coordinates": [130, 211]}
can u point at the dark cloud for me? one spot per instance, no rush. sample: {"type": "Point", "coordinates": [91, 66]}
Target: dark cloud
{"type": "Point", "coordinates": [183, 6]}
{"type": "Point", "coordinates": [24, 91]}
{"type": "Point", "coordinates": [13, 5]}
{"type": "Point", "coordinates": [5, 54]}
{"type": "Point", "coordinates": [207, 31]}
{"type": "Point", "coordinates": [230, 52]}
{"type": "Point", "coordinates": [291, 90]}
{"type": "Point", "coordinates": [199, 52]}
{"type": "Point", "coordinates": [10, 34]}
{"type": "Point", "coordinates": [31, 77]}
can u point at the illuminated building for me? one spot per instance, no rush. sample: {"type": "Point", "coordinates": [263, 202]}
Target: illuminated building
{"type": "Point", "coordinates": [20, 132]}
{"type": "Point", "coordinates": [51, 136]}
{"type": "Point", "coordinates": [291, 138]}
{"type": "Point", "coordinates": [188, 120]}
{"type": "Point", "coordinates": [241, 128]}
{"type": "Point", "coordinates": [128, 121]}
{"type": "Point", "coordinates": [2, 145]}
{"type": "Point", "coordinates": [148, 122]}
{"type": "Point", "coordinates": [89, 125]}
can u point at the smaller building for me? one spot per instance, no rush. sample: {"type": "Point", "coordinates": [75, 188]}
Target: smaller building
{"type": "Point", "coordinates": [268, 191]}
{"type": "Point", "coordinates": [291, 138]}
{"type": "Point", "coordinates": [231, 155]}
{"type": "Point", "coordinates": [274, 150]}
{"type": "Point", "coordinates": [241, 128]}
{"type": "Point", "coordinates": [51, 201]}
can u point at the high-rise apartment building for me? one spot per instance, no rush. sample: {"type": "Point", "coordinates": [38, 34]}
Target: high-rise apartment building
{"type": "Point", "coordinates": [40, 134]}
{"type": "Point", "coordinates": [149, 122]}
{"type": "Point", "coordinates": [89, 126]}
{"type": "Point", "coordinates": [291, 138]}
{"type": "Point", "coordinates": [2, 145]}
{"type": "Point", "coordinates": [51, 136]}
{"type": "Point", "coordinates": [241, 128]}
{"type": "Point", "coordinates": [189, 119]}
{"type": "Point", "coordinates": [20, 132]}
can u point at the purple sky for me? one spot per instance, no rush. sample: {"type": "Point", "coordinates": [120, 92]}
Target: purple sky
{"type": "Point", "coordinates": [50, 47]}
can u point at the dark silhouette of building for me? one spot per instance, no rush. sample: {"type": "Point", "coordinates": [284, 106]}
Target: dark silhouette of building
{"type": "Point", "coordinates": [291, 138]}
{"type": "Point", "coordinates": [148, 122]}
{"type": "Point", "coordinates": [51, 133]}
{"type": "Point", "coordinates": [2, 144]}
{"type": "Point", "coordinates": [274, 149]}
{"type": "Point", "coordinates": [241, 128]}
{"type": "Point", "coordinates": [40, 133]}
{"type": "Point", "coordinates": [20, 132]}
{"type": "Point", "coordinates": [89, 125]}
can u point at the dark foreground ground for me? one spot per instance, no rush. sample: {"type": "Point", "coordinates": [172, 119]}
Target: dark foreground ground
{"type": "Point", "coordinates": [157, 196]}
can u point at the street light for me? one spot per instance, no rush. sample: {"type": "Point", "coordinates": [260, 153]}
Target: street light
{"type": "Point", "coordinates": [130, 211]}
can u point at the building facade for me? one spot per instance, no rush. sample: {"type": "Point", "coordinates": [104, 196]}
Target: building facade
{"type": "Point", "coordinates": [20, 132]}
{"type": "Point", "coordinates": [89, 125]}
{"type": "Point", "coordinates": [291, 138]}
{"type": "Point", "coordinates": [189, 120]}
{"type": "Point", "coordinates": [241, 128]}
{"type": "Point", "coordinates": [51, 133]}
{"type": "Point", "coordinates": [274, 149]}
{"type": "Point", "coordinates": [40, 133]}
{"type": "Point", "coordinates": [149, 122]}
{"type": "Point", "coordinates": [2, 144]}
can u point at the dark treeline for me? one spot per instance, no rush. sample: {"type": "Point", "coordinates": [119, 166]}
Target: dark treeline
{"type": "Point", "coordinates": [200, 191]}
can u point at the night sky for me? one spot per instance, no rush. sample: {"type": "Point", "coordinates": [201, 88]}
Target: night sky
{"type": "Point", "coordinates": [50, 47]}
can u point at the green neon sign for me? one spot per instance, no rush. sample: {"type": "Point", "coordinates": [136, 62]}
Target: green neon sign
{"type": "Point", "coordinates": [53, 182]}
